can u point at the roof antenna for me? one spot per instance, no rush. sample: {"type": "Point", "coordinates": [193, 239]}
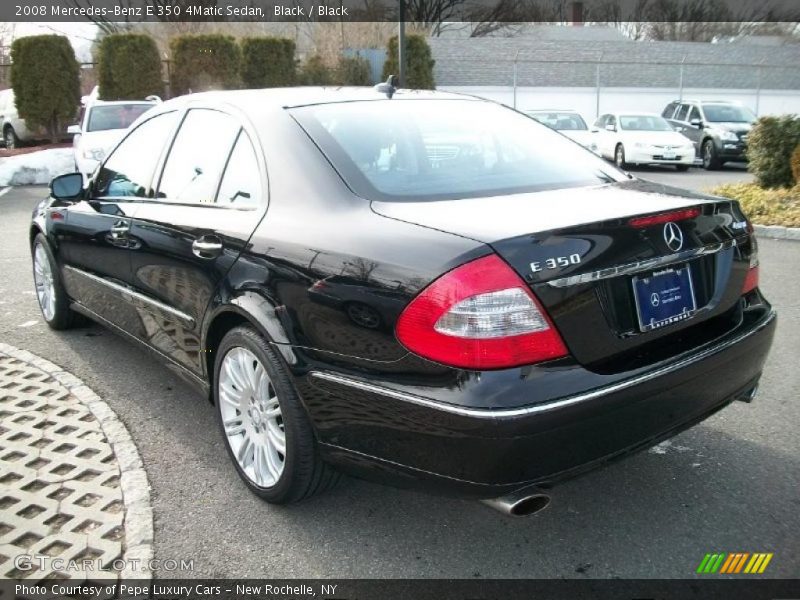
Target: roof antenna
{"type": "Point", "coordinates": [388, 87]}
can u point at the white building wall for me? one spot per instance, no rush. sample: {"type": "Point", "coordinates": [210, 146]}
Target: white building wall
{"type": "Point", "coordinates": [587, 103]}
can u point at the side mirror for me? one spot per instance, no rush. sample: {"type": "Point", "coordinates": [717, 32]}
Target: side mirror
{"type": "Point", "coordinates": [611, 127]}
{"type": "Point", "coordinates": [696, 123]}
{"type": "Point", "coordinates": [74, 129]}
{"type": "Point", "coordinates": [594, 130]}
{"type": "Point", "coordinates": [67, 187]}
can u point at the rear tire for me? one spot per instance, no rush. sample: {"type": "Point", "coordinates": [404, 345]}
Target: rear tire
{"type": "Point", "coordinates": [53, 299]}
{"type": "Point", "coordinates": [265, 427]}
{"type": "Point", "coordinates": [711, 161]}
{"type": "Point", "coordinates": [10, 138]}
{"type": "Point", "coordinates": [619, 157]}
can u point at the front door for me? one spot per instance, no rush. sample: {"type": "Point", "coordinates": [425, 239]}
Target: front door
{"type": "Point", "coordinates": [93, 235]}
{"type": "Point", "coordinates": [208, 202]}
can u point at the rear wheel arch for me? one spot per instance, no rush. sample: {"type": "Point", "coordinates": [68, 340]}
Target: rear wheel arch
{"type": "Point", "coordinates": [241, 311]}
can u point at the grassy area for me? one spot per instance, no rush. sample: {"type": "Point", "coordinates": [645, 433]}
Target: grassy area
{"type": "Point", "coordinates": [765, 206]}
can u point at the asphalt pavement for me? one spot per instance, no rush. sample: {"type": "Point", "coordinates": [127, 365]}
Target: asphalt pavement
{"type": "Point", "coordinates": [727, 485]}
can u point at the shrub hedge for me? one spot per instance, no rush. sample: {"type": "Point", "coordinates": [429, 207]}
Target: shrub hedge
{"type": "Point", "coordinates": [130, 67]}
{"type": "Point", "coordinates": [769, 150]}
{"type": "Point", "coordinates": [765, 206]}
{"type": "Point", "coordinates": [316, 72]}
{"type": "Point", "coordinates": [45, 77]}
{"type": "Point", "coordinates": [267, 62]}
{"type": "Point", "coordinates": [419, 64]}
{"type": "Point", "coordinates": [354, 71]}
{"type": "Point", "coordinates": [795, 164]}
{"type": "Point", "coordinates": [204, 62]}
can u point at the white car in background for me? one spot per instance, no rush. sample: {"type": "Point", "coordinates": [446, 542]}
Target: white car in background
{"type": "Point", "coordinates": [568, 122]}
{"type": "Point", "coordinates": [630, 138]}
{"type": "Point", "coordinates": [102, 125]}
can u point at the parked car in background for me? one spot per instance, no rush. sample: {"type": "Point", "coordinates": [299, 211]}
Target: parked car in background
{"type": "Point", "coordinates": [541, 312]}
{"type": "Point", "coordinates": [642, 139]}
{"type": "Point", "coordinates": [718, 129]}
{"type": "Point", "coordinates": [568, 122]}
{"type": "Point", "coordinates": [102, 125]}
{"type": "Point", "coordinates": [15, 131]}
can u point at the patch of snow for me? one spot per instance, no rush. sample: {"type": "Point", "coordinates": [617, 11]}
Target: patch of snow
{"type": "Point", "coordinates": [36, 168]}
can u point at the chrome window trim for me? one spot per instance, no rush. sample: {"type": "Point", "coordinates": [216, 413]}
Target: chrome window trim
{"type": "Point", "coordinates": [647, 264]}
{"type": "Point", "coordinates": [501, 413]}
{"type": "Point", "coordinates": [125, 291]}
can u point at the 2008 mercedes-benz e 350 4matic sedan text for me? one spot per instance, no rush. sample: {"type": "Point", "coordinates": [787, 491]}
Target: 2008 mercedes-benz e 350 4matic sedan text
{"type": "Point", "coordinates": [420, 288]}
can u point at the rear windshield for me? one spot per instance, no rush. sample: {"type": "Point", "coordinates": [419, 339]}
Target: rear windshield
{"type": "Point", "coordinates": [644, 123]}
{"type": "Point", "coordinates": [446, 149]}
{"type": "Point", "coordinates": [560, 121]}
{"type": "Point", "coordinates": [115, 116]}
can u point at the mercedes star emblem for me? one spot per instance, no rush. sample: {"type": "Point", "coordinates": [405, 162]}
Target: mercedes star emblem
{"type": "Point", "coordinates": [673, 236]}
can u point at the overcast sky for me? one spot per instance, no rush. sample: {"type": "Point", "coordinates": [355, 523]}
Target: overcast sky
{"type": "Point", "coordinates": [80, 34]}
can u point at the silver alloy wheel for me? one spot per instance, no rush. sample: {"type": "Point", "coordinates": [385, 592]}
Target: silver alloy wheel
{"type": "Point", "coordinates": [251, 417]}
{"type": "Point", "coordinates": [43, 278]}
{"type": "Point", "coordinates": [620, 156]}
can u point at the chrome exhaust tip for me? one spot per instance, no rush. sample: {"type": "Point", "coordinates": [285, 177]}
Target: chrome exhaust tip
{"type": "Point", "coordinates": [523, 502]}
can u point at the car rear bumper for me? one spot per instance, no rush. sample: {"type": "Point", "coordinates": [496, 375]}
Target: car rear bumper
{"type": "Point", "coordinates": [410, 440]}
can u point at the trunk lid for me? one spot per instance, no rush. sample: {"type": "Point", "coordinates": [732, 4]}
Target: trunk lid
{"type": "Point", "coordinates": [580, 250]}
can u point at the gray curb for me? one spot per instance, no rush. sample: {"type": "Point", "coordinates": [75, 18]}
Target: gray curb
{"type": "Point", "coordinates": [777, 232]}
{"type": "Point", "coordinates": [138, 522]}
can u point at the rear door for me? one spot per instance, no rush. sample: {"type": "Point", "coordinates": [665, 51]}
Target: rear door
{"type": "Point", "coordinates": [210, 197]}
{"type": "Point", "coordinates": [94, 235]}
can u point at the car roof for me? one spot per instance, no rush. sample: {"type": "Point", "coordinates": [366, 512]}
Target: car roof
{"type": "Point", "coordinates": [550, 110]}
{"type": "Point", "coordinates": [118, 102]}
{"type": "Point", "coordinates": [635, 113]}
{"type": "Point", "coordinates": [306, 96]}
{"type": "Point", "coordinates": [690, 101]}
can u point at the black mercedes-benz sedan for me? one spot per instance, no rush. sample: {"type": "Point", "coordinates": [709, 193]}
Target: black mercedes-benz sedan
{"type": "Point", "coordinates": [420, 288]}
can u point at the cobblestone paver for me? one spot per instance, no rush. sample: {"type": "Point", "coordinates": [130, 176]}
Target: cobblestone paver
{"type": "Point", "coordinates": [72, 485]}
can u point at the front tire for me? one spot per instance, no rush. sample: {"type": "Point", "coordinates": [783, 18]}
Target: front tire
{"type": "Point", "coordinates": [53, 299]}
{"type": "Point", "coordinates": [10, 138]}
{"type": "Point", "coordinates": [711, 161]}
{"type": "Point", "coordinates": [682, 168]}
{"type": "Point", "coordinates": [619, 157]}
{"type": "Point", "coordinates": [265, 427]}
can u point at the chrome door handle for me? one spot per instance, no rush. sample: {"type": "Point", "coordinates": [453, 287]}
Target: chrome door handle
{"type": "Point", "coordinates": [120, 227]}
{"type": "Point", "coordinates": [207, 247]}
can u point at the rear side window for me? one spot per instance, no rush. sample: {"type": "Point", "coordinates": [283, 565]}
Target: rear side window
{"type": "Point", "coordinates": [129, 169]}
{"type": "Point", "coordinates": [198, 156]}
{"type": "Point", "coordinates": [669, 111]}
{"type": "Point", "coordinates": [446, 149]}
{"type": "Point", "coordinates": [241, 184]}
{"type": "Point", "coordinates": [682, 112]}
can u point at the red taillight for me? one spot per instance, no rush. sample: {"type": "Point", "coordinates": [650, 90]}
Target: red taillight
{"type": "Point", "coordinates": [751, 280]}
{"type": "Point", "coordinates": [675, 215]}
{"type": "Point", "coordinates": [480, 315]}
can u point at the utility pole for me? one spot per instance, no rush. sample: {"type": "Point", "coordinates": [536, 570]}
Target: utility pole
{"type": "Point", "coordinates": [401, 44]}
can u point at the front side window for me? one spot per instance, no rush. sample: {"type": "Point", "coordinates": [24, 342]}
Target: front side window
{"type": "Point", "coordinates": [446, 149]}
{"type": "Point", "coordinates": [241, 184]}
{"type": "Point", "coordinates": [114, 116]}
{"type": "Point", "coordinates": [694, 115]}
{"type": "Point", "coordinates": [643, 123]}
{"type": "Point", "coordinates": [129, 169]}
{"type": "Point", "coordinates": [728, 113]}
{"type": "Point", "coordinates": [198, 156]}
